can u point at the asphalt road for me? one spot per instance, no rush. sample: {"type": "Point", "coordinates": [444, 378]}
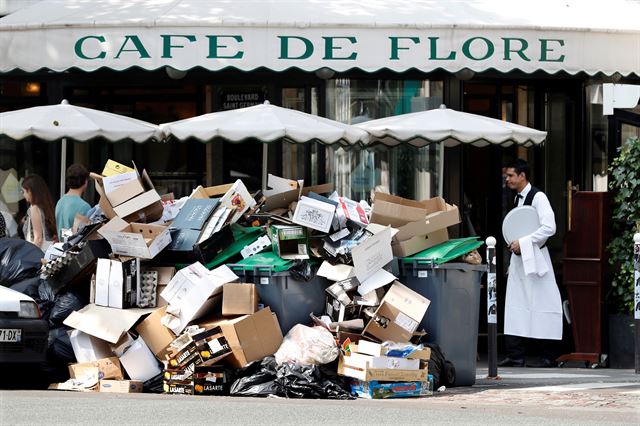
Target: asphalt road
{"type": "Point", "coordinates": [522, 396]}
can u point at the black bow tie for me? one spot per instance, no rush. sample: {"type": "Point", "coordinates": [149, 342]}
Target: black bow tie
{"type": "Point", "coordinates": [516, 200]}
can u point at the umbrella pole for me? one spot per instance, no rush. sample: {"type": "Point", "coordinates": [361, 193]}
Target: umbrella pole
{"type": "Point", "coordinates": [63, 166]}
{"type": "Point", "coordinates": [265, 163]}
{"type": "Point", "coordinates": [441, 171]}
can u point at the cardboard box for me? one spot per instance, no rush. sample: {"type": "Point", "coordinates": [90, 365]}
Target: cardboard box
{"type": "Point", "coordinates": [212, 345]}
{"type": "Point", "coordinates": [117, 283]}
{"type": "Point", "coordinates": [121, 386]}
{"type": "Point", "coordinates": [251, 337]}
{"type": "Point", "coordinates": [88, 348]}
{"type": "Point", "coordinates": [139, 362]}
{"type": "Point", "coordinates": [239, 299]}
{"type": "Point", "coordinates": [376, 390]}
{"type": "Point", "coordinates": [420, 224]}
{"type": "Point", "coordinates": [418, 243]}
{"type": "Point", "coordinates": [186, 247]}
{"type": "Point", "coordinates": [363, 367]}
{"type": "Point", "coordinates": [290, 242]}
{"type": "Point", "coordinates": [108, 368]}
{"type": "Point", "coordinates": [144, 207]}
{"type": "Point", "coordinates": [398, 315]}
{"type": "Point", "coordinates": [314, 214]}
{"type": "Point", "coordinates": [155, 335]}
{"type": "Point", "coordinates": [165, 274]}
{"type": "Point", "coordinates": [179, 388]}
{"type": "Point", "coordinates": [122, 187]}
{"type": "Point", "coordinates": [192, 290]}
{"type": "Point", "coordinates": [262, 243]}
{"type": "Point", "coordinates": [184, 357]}
{"type": "Point", "coordinates": [211, 380]}
{"type": "Point", "coordinates": [372, 255]}
{"type": "Point", "coordinates": [135, 239]}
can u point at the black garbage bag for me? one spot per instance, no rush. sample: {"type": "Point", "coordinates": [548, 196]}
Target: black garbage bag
{"type": "Point", "coordinates": [64, 304]}
{"type": "Point", "coordinates": [302, 270]}
{"type": "Point", "coordinates": [46, 299]}
{"type": "Point", "coordinates": [257, 379]}
{"type": "Point", "coordinates": [60, 349]}
{"type": "Point", "coordinates": [19, 260]}
{"type": "Point", "coordinates": [28, 287]}
{"type": "Point", "coordinates": [310, 381]}
{"type": "Point", "coordinates": [442, 370]}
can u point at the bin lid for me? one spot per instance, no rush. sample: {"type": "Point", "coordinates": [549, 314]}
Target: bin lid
{"type": "Point", "coordinates": [269, 261]}
{"type": "Point", "coordinates": [446, 251]}
{"type": "Point", "coordinates": [243, 236]}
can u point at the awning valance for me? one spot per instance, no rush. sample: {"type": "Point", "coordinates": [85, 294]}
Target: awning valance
{"type": "Point", "coordinates": [546, 35]}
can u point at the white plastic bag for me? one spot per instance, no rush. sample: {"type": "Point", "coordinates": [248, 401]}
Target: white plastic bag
{"type": "Point", "coordinates": [307, 345]}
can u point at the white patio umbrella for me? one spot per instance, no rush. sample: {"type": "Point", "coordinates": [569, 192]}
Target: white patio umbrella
{"type": "Point", "coordinates": [266, 123]}
{"type": "Point", "coordinates": [448, 128]}
{"type": "Point", "coordinates": [64, 121]}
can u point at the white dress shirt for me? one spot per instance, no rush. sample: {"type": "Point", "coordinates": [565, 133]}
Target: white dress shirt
{"type": "Point", "coordinates": [545, 215]}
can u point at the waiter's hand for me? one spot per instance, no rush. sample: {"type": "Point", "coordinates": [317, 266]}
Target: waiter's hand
{"type": "Point", "coordinates": [515, 247]}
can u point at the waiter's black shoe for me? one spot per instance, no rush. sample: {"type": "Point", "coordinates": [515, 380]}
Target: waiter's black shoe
{"type": "Point", "coordinates": [508, 362]}
{"type": "Point", "coordinates": [543, 363]}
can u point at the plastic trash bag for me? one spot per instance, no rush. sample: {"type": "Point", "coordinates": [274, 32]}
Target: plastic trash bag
{"type": "Point", "coordinates": [302, 270]}
{"type": "Point", "coordinates": [28, 287]}
{"type": "Point", "coordinates": [63, 306]}
{"type": "Point", "coordinates": [265, 377]}
{"type": "Point", "coordinates": [307, 346]}
{"type": "Point", "coordinates": [257, 379]}
{"type": "Point", "coordinates": [310, 381]}
{"type": "Point", "coordinates": [19, 260]}
{"type": "Point", "coordinates": [60, 349]}
{"type": "Point", "coordinates": [400, 350]}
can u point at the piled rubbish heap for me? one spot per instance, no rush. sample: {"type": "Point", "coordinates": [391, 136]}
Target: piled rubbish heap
{"type": "Point", "coordinates": [193, 296]}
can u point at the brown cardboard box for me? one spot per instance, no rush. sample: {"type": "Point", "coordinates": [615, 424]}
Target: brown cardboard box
{"type": "Point", "coordinates": [251, 337]}
{"type": "Point", "coordinates": [239, 299]}
{"type": "Point", "coordinates": [135, 239]}
{"type": "Point", "coordinates": [121, 386]}
{"type": "Point", "coordinates": [155, 335]}
{"type": "Point", "coordinates": [145, 207]}
{"type": "Point", "coordinates": [165, 273]}
{"type": "Point", "coordinates": [398, 315]}
{"type": "Point", "coordinates": [108, 368]}
{"type": "Point", "coordinates": [418, 243]}
{"type": "Point", "coordinates": [420, 224]}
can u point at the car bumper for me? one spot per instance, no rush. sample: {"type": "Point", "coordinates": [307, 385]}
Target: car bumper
{"type": "Point", "coordinates": [33, 345]}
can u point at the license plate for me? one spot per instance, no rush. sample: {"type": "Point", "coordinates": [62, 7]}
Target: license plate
{"type": "Point", "coordinates": [10, 334]}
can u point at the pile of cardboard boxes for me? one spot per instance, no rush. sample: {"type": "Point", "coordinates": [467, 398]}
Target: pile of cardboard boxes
{"type": "Point", "coordinates": [169, 311]}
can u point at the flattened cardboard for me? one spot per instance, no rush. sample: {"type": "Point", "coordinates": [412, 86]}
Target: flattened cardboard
{"type": "Point", "coordinates": [135, 239]}
{"type": "Point", "coordinates": [372, 255]}
{"type": "Point", "coordinates": [396, 211]}
{"type": "Point", "coordinates": [105, 323]}
{"type": "Point", "coordinates": [239, 299]}
{"type": "Point", "coordinates": [398, 315]}
{"type": "Point", "coordinates": [113, 168]}
{"type": "Point", "coordinates": [122, 187]}
{"type": "Point", "coordinates": [314, 214]}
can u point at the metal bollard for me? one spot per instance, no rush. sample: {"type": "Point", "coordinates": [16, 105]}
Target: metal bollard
{"type": "Point", "coordinates": [636, 296]}
{"type": "Point", "coordinates": [492, 308]}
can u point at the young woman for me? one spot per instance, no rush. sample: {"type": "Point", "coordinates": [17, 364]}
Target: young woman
{"type": "Point", "coordinates": [40, 224]}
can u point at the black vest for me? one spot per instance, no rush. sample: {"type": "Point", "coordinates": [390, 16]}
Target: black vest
{"type": "Point", "coordinates": [529, 198]}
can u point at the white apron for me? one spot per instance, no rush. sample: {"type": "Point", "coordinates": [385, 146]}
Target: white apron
{"type": "Point", "coordinates": [532, 307]}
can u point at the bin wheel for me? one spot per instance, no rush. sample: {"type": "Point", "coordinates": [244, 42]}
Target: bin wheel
{"type": "Point", "coordinates": [561, 364]}
{"type": "Point", "coordinates": [595, 365]}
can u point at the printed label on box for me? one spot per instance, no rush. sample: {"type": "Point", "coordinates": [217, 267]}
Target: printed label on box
{"type": "Point", "coordinates": [406, 322]}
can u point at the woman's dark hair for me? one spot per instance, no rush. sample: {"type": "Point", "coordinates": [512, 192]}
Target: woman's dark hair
{"type": "Point", "coordinates": [520, 166]}
{"type": "Point", "coordinates": [41, 197]}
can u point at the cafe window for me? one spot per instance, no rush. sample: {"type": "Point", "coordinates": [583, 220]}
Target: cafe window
{"type": "Point", "coordinates": [403, 170]}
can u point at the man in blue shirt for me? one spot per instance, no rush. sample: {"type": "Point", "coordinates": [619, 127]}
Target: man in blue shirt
{"type": "Point", "coordinates": [72, 203]}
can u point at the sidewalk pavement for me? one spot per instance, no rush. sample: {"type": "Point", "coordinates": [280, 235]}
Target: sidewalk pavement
{"type": "Point", "coordinates": [566, 386]}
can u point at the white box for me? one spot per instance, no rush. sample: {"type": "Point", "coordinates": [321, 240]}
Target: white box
{"type": "Point", "coordinates": [139, 362]}
{"type": "Point", "coordinates": [87, 348]}
{"type": "Point", "coordinates": [191, 290]}
{"type": "Point", "coordinates": [372, 254]}
{"type": "Point", "coordinates": [135, 239]}
{"type": "Point", "coordinates": [103, 271]}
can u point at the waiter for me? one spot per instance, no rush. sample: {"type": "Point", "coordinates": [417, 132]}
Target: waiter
{"type": "Point", "coordinates": [533, 309]}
